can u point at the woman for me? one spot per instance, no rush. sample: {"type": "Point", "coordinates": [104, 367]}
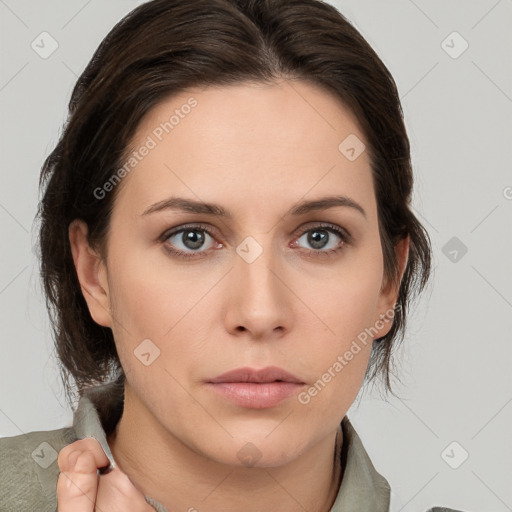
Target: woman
{"type": "Point", "coordinates": [228, 252]}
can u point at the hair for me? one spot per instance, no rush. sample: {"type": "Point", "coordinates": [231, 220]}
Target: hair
{"type": "Point", "coordinates": [164, 47]}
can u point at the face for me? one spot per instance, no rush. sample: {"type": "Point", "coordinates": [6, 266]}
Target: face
{"type": "Point", "coordinates": [191, 294]}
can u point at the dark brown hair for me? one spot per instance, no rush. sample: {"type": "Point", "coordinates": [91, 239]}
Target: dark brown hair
{"type": "Point", "coordinates": [165, 46]}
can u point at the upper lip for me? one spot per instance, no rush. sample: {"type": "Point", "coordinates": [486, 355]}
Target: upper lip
{"type": "Point", "coordinates": [246, 374]}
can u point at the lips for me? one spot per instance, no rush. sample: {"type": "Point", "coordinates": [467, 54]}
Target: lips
{"type": "Point", "coordinates": [256, 389]}
{"type": "Point", "coordinates": [265, 375]}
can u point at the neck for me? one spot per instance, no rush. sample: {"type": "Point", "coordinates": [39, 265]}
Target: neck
{"type": "Point", "coordinates": [162, 467]}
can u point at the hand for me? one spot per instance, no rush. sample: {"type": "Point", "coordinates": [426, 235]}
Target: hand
{"type": "Point", "coordinates": [81, 489]}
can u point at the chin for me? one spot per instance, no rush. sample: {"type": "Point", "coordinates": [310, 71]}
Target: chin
{"type": "Point", "coordinates": [259, 452]}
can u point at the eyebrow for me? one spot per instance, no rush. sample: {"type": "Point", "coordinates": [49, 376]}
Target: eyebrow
{"type": "Point", "coordinates": [191, 206]}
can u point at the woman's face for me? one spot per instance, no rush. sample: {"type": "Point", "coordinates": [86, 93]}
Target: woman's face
{"type": "Point", "coordinates": [268, 283]}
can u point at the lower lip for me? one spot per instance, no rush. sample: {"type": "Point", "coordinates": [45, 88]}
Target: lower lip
{"type": "Point", "coordinates": [256, 396]}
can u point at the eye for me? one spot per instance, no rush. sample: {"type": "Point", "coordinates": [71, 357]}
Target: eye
{"type": "Point", "coordinates": [188, 241]}
{"type": "Point", "coordinates": [321, 239]}
{"type": "Point", "coordinates": [197, 241]}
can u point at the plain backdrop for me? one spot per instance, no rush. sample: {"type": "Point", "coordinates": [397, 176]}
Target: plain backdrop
{"type": "Point", "coordinates": [453, 67]}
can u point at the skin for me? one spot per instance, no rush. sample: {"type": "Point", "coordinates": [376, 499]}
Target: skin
{"type": "Point", "coordinates": [257, 150]}
{"type": "Point", "coordinates": [79, 489]}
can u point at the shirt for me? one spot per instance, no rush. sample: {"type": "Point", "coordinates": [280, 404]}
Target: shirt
{"type": "Point", "coordinates": [29, 469]}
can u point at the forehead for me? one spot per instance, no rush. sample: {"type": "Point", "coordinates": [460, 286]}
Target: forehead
{"type": "Point", "coordinates": [247, 142]}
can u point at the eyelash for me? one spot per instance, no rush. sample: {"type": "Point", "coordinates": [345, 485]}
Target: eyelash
{"type": "Point", "coordinates": [332, 228]}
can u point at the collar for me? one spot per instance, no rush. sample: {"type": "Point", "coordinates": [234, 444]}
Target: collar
{"type": "Point", "coordinates": [362, 487]}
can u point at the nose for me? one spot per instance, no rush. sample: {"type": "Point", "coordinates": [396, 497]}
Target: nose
{"type": "Point", "coordinates": [260, 305]}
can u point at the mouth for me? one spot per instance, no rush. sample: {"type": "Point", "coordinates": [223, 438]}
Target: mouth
{"type": "Point", "coordinates": [256, 389]}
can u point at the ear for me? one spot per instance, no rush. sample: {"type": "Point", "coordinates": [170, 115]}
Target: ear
{"type": "Point", "coordinates": [390, 289]}
{"type": "Point", "coordinates": [92, 274]}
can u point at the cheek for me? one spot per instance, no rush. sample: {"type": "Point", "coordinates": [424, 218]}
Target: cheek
{"type": "Point", "coordinates": [348, 308]}
{"type": "Point", "coordinates": [141, 291]}
{"type": "Point", "coordinates": [351, 301]}
{"type": "Point", "coordinates": [159, 304]}
{"type": "Point", "coordinates": [341, 354]}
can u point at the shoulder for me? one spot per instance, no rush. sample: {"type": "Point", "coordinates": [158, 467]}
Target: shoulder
{"type": "Point", "coordinates": [358, 462]}
{"type": "Point", "coordinates": [29, 470]}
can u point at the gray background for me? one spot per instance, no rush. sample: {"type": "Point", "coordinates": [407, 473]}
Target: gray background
{"type": "Point", "coordinates": [455, 364]}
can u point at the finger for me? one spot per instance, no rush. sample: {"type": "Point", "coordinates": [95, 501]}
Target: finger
{"type": "Point", "coordinates": [88, 444]}
{"type": "Point", "coordinates": [80, 489]}
{"type": "Point", "coordinates": [77, 488]}
{"type": "Point", "coordinates": [77, 484]}
{"type": "Point", "coordinates": [117, 493]}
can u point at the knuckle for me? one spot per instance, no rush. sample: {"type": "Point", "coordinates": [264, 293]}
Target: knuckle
{"type": "Point", "coordinates": [64, 455]}
{"type": "Point", "coordinates": [73, 486]}
{"type": "Point", "coordinates": [86, 463]}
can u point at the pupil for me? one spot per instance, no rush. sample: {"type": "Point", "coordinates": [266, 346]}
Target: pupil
{"type": "Point", "coordinates": [317, 239]}
{"type": "Point", "coordinates": [192, 239]}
